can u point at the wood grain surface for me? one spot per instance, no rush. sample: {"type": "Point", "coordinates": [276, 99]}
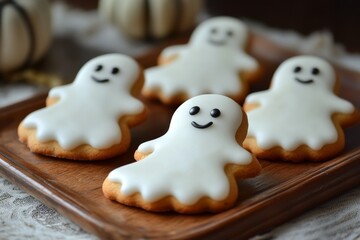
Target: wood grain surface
{"type": "Point", "coordinates": [282, 191]}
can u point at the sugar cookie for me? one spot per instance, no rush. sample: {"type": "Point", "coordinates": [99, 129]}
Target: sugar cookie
{"type": "Point", "coordinates": [300, 117]}
{"type": "Point", "coordinates": [90, 118]}
{"type": "Point", "coordinates": [194, 166]}
{"type": "Point", "coordinates": [214, 61]}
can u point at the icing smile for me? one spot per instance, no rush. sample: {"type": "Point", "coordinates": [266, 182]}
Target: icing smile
{"type": "Point", "coordinates": [217, 42]}
{"type": "Point", "coordinates": [304, 81]}
{"type": "Point", "coordinates": [195, 124]}
{"type": "Point", "coordinates": [99, 80]}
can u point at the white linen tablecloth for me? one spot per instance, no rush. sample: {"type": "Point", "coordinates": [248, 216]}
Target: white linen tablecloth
{"type": "Point", "coordinates": [24, 217]}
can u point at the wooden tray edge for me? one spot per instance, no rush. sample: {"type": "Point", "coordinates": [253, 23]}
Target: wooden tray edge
{"type": "Point", "coordinates": [62, 202]}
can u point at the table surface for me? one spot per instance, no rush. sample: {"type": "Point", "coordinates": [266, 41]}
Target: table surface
{"type": "Point", "coordinates": [22, 216]}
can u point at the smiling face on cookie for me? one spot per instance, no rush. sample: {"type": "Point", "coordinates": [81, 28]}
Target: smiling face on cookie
{"type": "Point", "coordinates": [208, 113]}
{"type": "Point", "coordinates": [215, 113]}
{"type": "Point", "coordinates": [305, 71]}
{"type": "Point", "coordinates": [111, 71]}
{"type": "Point", "coordinates": [220, 32]}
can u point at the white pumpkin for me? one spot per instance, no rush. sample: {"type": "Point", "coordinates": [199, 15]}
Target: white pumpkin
{"type": "Point", "coordinates": [25, 33]}
{"type": "Point", "coordinates": [151, 18]}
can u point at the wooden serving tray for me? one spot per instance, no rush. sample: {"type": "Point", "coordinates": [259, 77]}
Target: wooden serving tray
{"type": "Point", "coordinates": [282, 191]}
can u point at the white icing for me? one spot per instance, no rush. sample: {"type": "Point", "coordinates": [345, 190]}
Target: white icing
{"type": "Point", "coordinates": [293, 113]}
{"type": "Point", "coordinates": [203, 67]}
{"type": "Point", "coordinates": [187, 162]}
{"type": "Point", "coordinates": [87, 111]}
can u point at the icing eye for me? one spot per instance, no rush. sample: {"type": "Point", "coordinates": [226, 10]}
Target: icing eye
{"type": "Point", "coordinates": [115, 70]}
{"type": "Point", "coordinates": [213, 30]}
{"type": "Point", "coordinates": [98, 68]}
{"type": "Point", "coordinates": [215, 113]}
{"type": "Point", "coordinates": [194, 110]}
{"type": "Point", "coordinates": [230, 33]}
{"type": "Point", "coordinates": [315, 71]}
{"type": "Point", "coordinates": [297, 69]}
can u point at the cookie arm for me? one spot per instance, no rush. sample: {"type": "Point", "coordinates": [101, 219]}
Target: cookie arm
{"type": "Point", "coordinates": [170, 53]}
{"type": "Point", "coordinates": [246, 62]}
{"type": "Point", "coordinates": [238, 155]}
{"type": "Point", "coordinates": [342, 106]}
{"type": "Point", "coordinates": [242, 163]}
{"type": "Point", "coordinates": [55, 94]}
{"type": "Point", "coordinates": [132, 106]}
{"type": "Point", "coordinates": [146, 149]}
{"type": "Point", "coordinates": [345, 112]}
{"type": "Point", "coordinates": [58, 91]}
{"type": "Point", "coordinates": [254, 100]}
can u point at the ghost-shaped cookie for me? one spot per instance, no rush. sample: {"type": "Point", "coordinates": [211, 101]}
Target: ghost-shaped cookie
{"type": "Point", "coordinates": [89, 119]}
{"type": "Point", "coordinates": [299, 117]}
{"type": "Point", "coordinates": [193, 166]}
{"type": "Point", "coordinates": [214, 61]}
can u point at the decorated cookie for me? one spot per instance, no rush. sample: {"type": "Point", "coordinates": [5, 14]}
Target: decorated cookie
{"type": "Point", "coordinates": [300, 117]}
{"type": "Point", "coordinates": [90, 118]}
{"type": "Point", "coordinates": [194, 166]}
{"type": "Point", "coordinates": [214, 61]}
{"type": "Point", "coordinates": [25, 33]}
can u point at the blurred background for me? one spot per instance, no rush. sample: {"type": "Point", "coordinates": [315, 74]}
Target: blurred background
{"type": "Point", "coordinates": [341, 17]}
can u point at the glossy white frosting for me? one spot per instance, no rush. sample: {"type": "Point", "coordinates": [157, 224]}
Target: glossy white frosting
{"type": "Point", "coordinates": [188, 162]}
{"type": "Point", "coordinates": [88, 112]}
{"type": "Point", "coordinates": [292, 113]}
{"type": "Point", "coordinates": [210, 63]}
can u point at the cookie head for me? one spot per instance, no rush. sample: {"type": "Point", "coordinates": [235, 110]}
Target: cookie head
{"type": "Point", "coordinates": [306, 72]}
{"type": "Point", "coordinates": [224, 32]}
{"type": "Point", "coordinates": [209, 113]}
{"type": "Point", "coordinates": [111, 71]}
